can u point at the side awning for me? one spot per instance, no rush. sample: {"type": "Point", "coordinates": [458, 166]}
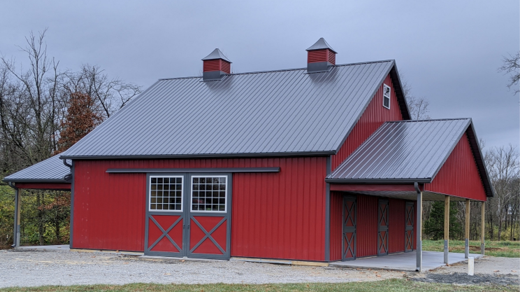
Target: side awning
{"type": "Point", "coordinates": [50, 174]}
{"type": "Point", "coordinates": [443, 156]}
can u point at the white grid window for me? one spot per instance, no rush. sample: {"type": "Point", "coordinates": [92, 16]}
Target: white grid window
{"type": "Point", "coordinates": [166, 193]}
{"type": "Point", "coordinates": [209, 193]}
{"type": "Point", "coordinates": [386, 96]}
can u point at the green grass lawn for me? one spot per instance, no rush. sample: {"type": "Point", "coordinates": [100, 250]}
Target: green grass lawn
{"type": "Point", "coordinates": [386, 285]}
{"type": "Point", "coordinates": [510, 249]}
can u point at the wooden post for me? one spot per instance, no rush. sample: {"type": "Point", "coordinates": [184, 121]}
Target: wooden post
{"type": "Point", "coordinates": [466, 229]}
{"type": "Point", "coordinates": [483, 229]}
{"type": "Point", "coordinates": [446, 228]}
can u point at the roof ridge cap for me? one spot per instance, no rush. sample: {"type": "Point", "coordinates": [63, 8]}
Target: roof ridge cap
{"type": "Point", "coordinates": [429, 120]}
{"type": "Point", "coordinates": [281, 70]}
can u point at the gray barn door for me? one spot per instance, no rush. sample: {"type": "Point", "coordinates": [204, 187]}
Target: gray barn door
{"type": "Point", "coordinates": [349, 228]}
{"type": "Point", "coordinates": [410, 219]}
{"type": "Point", "coordinates": [383, 219]}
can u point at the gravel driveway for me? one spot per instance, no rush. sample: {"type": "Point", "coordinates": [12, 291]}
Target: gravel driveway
{"type": "Point", "coordinates": [35, 268]}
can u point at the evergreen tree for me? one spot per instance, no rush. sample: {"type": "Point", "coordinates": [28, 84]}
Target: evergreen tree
{"type": "Point", "coordinates": [434, 226]}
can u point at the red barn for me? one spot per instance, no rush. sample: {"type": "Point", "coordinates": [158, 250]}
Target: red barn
{"type": "Point", "coordinates": [317, 164]}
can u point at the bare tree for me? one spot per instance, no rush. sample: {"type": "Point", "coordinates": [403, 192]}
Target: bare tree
{"type": "Point", "coordinates": [504, 170]}
{"type": "Point", "coordinates": [511, 65]}
{"type": "Point", "coordinates": [418, 106]}
{"type": "Point", "coordinates": [109, 94]}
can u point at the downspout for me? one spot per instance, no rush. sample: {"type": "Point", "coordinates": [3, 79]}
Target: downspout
{"type": "Point", "coordinates": [16, 229]}
{"type": "Point", "coordinates": [70, 178]}
{"type": "Point", "coordinates": [419, 226]}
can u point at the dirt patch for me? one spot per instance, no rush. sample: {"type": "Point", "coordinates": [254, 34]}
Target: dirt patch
{"type": "Point", "coordinates": [465, 279]}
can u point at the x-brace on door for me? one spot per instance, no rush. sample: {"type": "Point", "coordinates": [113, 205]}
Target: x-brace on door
{"type": "Point", "coordinates": [188, 215]}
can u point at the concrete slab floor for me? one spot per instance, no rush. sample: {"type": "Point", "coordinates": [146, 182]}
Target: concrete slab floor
{"type": "Point", "coordinates": [405, 261]}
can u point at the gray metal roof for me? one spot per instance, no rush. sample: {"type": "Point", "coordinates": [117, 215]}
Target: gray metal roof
{"type": "Point", "coordinates": [273, 113]}
{"type": "Point", "coordinates": [51, 170]}
{"type": "Point", "coordinates": [216, 54]}
{"type": "Point", "coordinates": [407, 152]}
{"type": "Point", "coordinates": [321, 44]}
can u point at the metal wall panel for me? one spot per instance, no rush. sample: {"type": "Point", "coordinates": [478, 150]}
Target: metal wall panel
{"type": "Point", "coordinates": [367, 225]}
{"type": "Point", "coordinates": [372, 118]}
{"type": "Point", "coordinates": [459, 176]}
{"type": "Point", "coordinates": [336, 226]}
{"type": "Point", "coordinates": [396, 226]}
{"type": "Point", "coordinates": [274, 215]}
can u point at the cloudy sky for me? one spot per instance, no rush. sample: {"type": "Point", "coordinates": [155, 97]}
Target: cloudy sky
{"type": "Point", "coordinates": [448, 52]}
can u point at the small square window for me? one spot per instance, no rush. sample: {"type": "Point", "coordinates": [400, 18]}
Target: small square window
{"type": "Point", "coordinates": [386, 96]}
{"type": "Point", "coordinates": [166, 193]}
{"type": "Point", "coordinates": [209, 193]}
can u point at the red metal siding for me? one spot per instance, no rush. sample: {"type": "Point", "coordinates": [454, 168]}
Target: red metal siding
{"type": "Point", "coordinates": [318, 56]}
{"type": "Point", "coordinates": [366, 225]}
{"type": "Point", "coordinates": [216, 65]}
{"type": "Point", "coordinates": [274, 215]}
{"type": "Point", "coordinates": [331, 57]}
{"type": "Point", "coordinates": [459, 175]}
{"type": "Point", "coordinates": [372, 118]}
{"type": "Point", "coordinates": [397, 226]}
{"type": "Point", "coordinates": [336, 226]}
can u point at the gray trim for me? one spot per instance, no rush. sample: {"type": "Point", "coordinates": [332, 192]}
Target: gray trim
{"type": "Point", "coordinates": [186, 217]}
{"type": "Point", "coordinates": [318, 67]}
{"type": "Point", "coordinates": [226, 216]}
{"type": "Point", "coordinates": [410, 214]}
{"type": "Point", "coordinates": [383, 215]}
{"type": "Point", "coordinates": [327, 212]}
{"type": "Point", "coordinates": [71, 227]}
{"type": "Point", "coordinates": [346, 229]}
{"type": "Point", "coordinates": [213, 75]}
{"type": "Point", "coordinates": [235, 155]}
{"type": "Point", "coordinates": [377, 181]}
{"type": "Point", "coordinates": [193, 170]}
{"type": "Point", "coordinates": [149, 215]}
{"type": "Point", "coordinates": [477, 153]}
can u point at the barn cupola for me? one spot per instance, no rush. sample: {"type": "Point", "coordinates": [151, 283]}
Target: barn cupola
{"type": "Point", "coordinates": [215, 65]}
{"type": "Point", "coordinates": [320, 56]}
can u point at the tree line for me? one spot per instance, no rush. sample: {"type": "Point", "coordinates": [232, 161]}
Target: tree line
{"type": "Point", "coordinates": [43, 111]}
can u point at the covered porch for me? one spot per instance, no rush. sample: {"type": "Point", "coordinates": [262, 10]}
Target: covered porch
{"type": "Point", "coordinates": [406, 261]}
{"type": "Point", "coordinates": [52, 174]}
{"type": "Point", "coordinates": [412, 161]}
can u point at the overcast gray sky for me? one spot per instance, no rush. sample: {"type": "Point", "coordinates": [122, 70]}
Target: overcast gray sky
{"type": "Point", "coordinates": [449, 52]}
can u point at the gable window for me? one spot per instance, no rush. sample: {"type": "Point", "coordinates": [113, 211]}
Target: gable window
{"type": "Point", "coordinates": [209, 193]}
{"type": "Point", "coordinates": [166, 193]}
{"type": "Point", "coordinates": [386, 96]}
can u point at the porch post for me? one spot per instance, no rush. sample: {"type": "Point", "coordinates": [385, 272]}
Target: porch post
{"type": "Point", "coordinates": [419, 230]}
{"type": "Point", "coordinates": [16, 230]}
{"type": "Point", "coordinates": [483, 229]}
{"type": "Point", "coordinates": [446, 228]}
{"type": "Point", "coordinates": [466, 229]}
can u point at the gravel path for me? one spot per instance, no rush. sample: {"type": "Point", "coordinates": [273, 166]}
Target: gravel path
{"type": "Point", "coordinates": [36, 268]}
